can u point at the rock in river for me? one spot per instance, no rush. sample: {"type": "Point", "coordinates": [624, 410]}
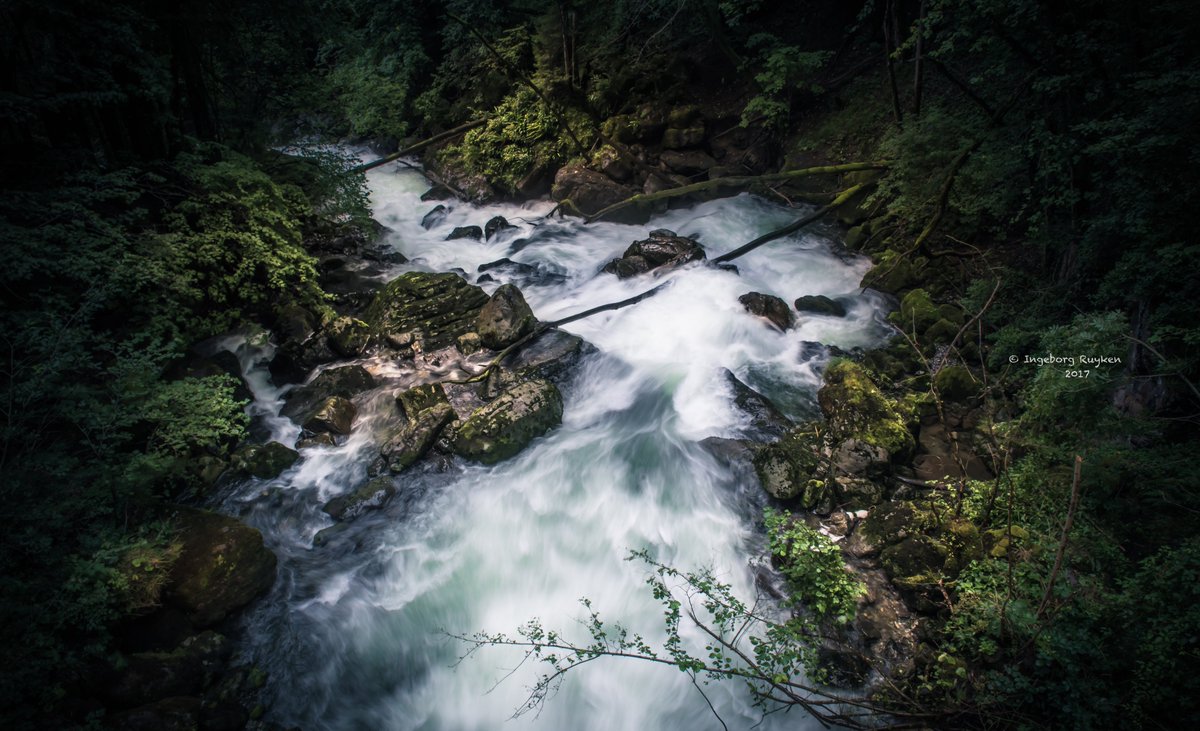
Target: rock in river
{"type": "Point", "coordinates": [439, 308]}
{"type": "Point", "coordinates": [505, 319]}
{"type": "Point", "coordinates": [505, 426]}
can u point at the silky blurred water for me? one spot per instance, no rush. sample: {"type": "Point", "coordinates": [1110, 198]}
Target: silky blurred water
{"type": "Point", "coordinates": [353, 635]}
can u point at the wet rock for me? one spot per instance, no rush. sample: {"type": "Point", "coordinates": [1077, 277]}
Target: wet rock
{"type": "Point", "coordinates": [819, 304]}
{"type": "Point", "coordinates": [466, 232]}
{"type": "Point", "coordinates": [855, 457]}
{"type": "Point", "coordinates": [550, 356]}
{"type": "Point", "coordinates": [775, 310]}
{"type": "Point", "coordinates": [293, 360]}
{"type": "Point", "coordinates": [438, 192]}
{"type": "Point", "coordinates": [662, 248]}
{"type": "Point", "coordinates": [677, 138]}
{"type": "Point", "coordinates": [319, 440]}
{"type": "Point", "coordinates": [591, 191]}
{"type": "Point", "coordinates": [505, 426]}
{"type": "Point", "coordinates": [222, 567]}
{"type": "Point", "coordinates": [414, 440]}
{"type": "Point", "coordinates": [435, 308]}
{"type": "Point", "coordinates": [345, 381]}
{"type": "Point", "coordinates": [505, 319]}
{"type": "Point", "coordinates": [326, 536]}
{"type": "Point", "coordinates": [370, 496]}
{"type": "Point", "coordinates": [791, 468]}
{"type": "Point", "coordinates": [767, 422]}
{"type": "Point", "coordinates": [420, 398]}
{"type": "Point", "coordinates": [348, 337]}
{"type": "Point", "coordinates": [496, 225]}
{"type": "Point", "coordinates": [687, 162]}
{"type": "Point", "coordinates": [334, 415]}
{"type": "Point", "coordinates": [469, 343]}
{"type": "Point", "coordinates": [264, 461]}
{"type": "Point", "coordinates": [855, 493]}
{"type": "Point", "coordinates": [434, 217]}
{"type": "Point", "coordinates": [610, 162]}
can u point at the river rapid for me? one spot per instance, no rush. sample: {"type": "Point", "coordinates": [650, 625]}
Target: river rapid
{"type": "Point", "coordinates": [353, 634]}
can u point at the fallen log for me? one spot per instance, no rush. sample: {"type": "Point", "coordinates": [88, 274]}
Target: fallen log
{"type": "Point", "coordinates": [460, 129]}
{"type": "Point", "coordinates": [792, 227]}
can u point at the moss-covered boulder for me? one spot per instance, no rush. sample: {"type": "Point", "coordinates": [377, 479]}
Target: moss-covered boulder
{"type": "Point", "coordinates": [348, 337]}
{"type": "Point", "coordinates": [264, 461]}
{"type": "Point", "coordinates": [917, 559]}
{"type": "Point", "coordinates": [370, 496]}
{"type": "Point", "coordinates": [222, 567]}
{"type": "Point", "coordinates": [437, 308]}
{"type": "Point", "coordinates": [917, 312]}
{"type": "Point", "coordinates": [856, 409]}
{"type": "Point", "coordinates": [334, 415]}
{"type": "Point", "coordinates": [792, 467]}
{"type": "Point", "coordinates": [505, 426]}
{"type": "Point", "coordinates": [505, 319]}
{"type": "Point", "coordinates": [894, 272]}
{"type": "Point", "coordinates": [894, 521]}
{"type": "Point", "coordinates": [420, 398]}
{"type": "Point", "coordinates": [591, 191]}
{"type": "Point", "coordinates": [819, 304]}
{"type": "Point", "coordinates": [346, 382]}
{"type": "Point", "coordinates": [955, 383]}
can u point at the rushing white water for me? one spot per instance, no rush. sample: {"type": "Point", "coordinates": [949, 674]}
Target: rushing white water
{"type": "Point", "coordinates": [352, 635]}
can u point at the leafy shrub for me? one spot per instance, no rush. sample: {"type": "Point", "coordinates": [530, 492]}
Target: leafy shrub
{"type": "Point", "coordinates": [817, 576]}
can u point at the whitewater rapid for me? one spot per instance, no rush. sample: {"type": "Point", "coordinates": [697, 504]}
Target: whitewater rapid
{"type": "Point", "coordinates": [354, 633]}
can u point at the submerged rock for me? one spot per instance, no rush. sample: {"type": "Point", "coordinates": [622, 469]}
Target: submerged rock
{"type": "Point", "coordinates": [766, 420]}
{"type": "Point", "coordinates": [222, 567]}
{"type": "Point", "coordinates": [434, 308]}
{"type": "Point", "coordinates": [774, 309]}
{"type": "Point", "coordinates": [505, 319]}
{"type": "Point", "coordinates": [662, 248]}
{"type": "Point", "coordinates": [434, 217]}
{"type": "Point", "coordinates": [495, 225]}
{"type": "Point", "coordinates": [550, 356]}
{"type": "Point", "coordinates": [502, 428]}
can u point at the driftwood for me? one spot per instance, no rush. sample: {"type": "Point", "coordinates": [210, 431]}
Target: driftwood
{"type": "Point", "coordinates": [460, 129]}
{"type": "Point", "coordinates": [734, 181]}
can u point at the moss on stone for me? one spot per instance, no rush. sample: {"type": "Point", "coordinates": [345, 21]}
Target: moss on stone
{"type": "Point", "coordinates": [955, 383]}
{"type": "Point", "coordinates": [917, 312]}
{"type": "Point", "coordinates": [856, 408]}
{"type": "Point", "coordinates": [791, 467]}
{"type": "Point", "coordinates": [502, 428]}
{"type": "Point", "coordinates": [438, 307]}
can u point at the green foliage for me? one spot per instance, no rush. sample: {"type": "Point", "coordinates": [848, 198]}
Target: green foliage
{"type": "Point", "coordinates": [522, 134]}
{"type": "Point", "coordinates": [782, 71]}
{"type": "Point", "coordinates": [817, 576]}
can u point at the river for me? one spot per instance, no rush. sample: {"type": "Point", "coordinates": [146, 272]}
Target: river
{"type": "Point", "coordinates": [353, 634]}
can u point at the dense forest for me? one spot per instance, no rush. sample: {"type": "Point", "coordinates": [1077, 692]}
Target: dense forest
{"type": "Point", "coordinates": [1021, 174]}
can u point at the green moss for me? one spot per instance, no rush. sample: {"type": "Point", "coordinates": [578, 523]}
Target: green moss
{"type": "Point", "coordinates": [505, 426]}
{"type": "Point", "coordinates": [791, 468]}
{"type": "Point", "coordinates": [894, 272]}
{"type": "Point", "coordinates": [955, 383]}
{"type": "Point", "coordinates": [917, 312]}
{"type": "Point", "coordinates": [856, 408]}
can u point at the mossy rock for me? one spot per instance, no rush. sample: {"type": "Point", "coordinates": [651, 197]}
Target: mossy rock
{"type": "Point", "coordinates": [997, 544]}
{"type": "Point", "coordinates": [222, 566]}
{"type": "Point", "coordinates": [414, 440]}
{"type": "Point", "coordinates": [371, 496]}
{"type": "Point", "coordinates": [438, 308]}
{"type": "Point", "coordinates": [965, 542]}
{"type": "Point", "coordinates": [791, 468]}
{"type": "Point", "coordinates": [917, 312]}
{"type": "Point", "coordinates": [334, 415]}
{"type": "Point", "coordinates": [348, 337]}
{"type": "Point", "coordinates": [895, 273]}
{"type": "Point", "coordinates": [953, 313]}
{"type": "Point", "coordinates": [955, 383]}
{"type": "Point", "coordinates": [894, 521]}
{"type": "Point", "coordinates": [915, 558]}
{"type": "Point", "coordinates": [856, 408]}
{"type": "Point", "coordinates": [941, 332]}
{"type": "Point", "coordinates": [502, 428]}
{"type": "Point", "coordinates": [420, 398]}
{"type": "Point", "coordinates": [264, 461]}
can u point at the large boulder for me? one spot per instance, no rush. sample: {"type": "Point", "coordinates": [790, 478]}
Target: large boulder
{"type": "Point", "coordinates": [589, 190]}
{"type": "Point", "coordinates": [465, 232]}
{"type": "Point", "coordinates": [687, 162]}
{"type": "Point", "coordinates": [428, 413]}
{"type": "Point", "coordinates": [775, 310]}
{"type": "Point", "coordinates": [222, 567]}
{"type": "Point", "coordinates": [505, 426]}
{"type": "Point", "coordinates": [334, 415]}
{"type": "Point", "coordinates": [550, 355]}
{"type": "Point", "coordinates": [348, 337]}
{"type": "Point", "coordinates": [792, 469]}
{"type": "Point", "coordinates": [505, 319]}
{"type": "Point", "coordinates": [346, 382]}
{"type": "Point", "coordinates": [662, 248]}
{"type": "Point", "coordinates": [856, 409]}
{"type": "Point", "coordinates": [436, 308]}
{"type": "Point", "coordinates": [264, 461]}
